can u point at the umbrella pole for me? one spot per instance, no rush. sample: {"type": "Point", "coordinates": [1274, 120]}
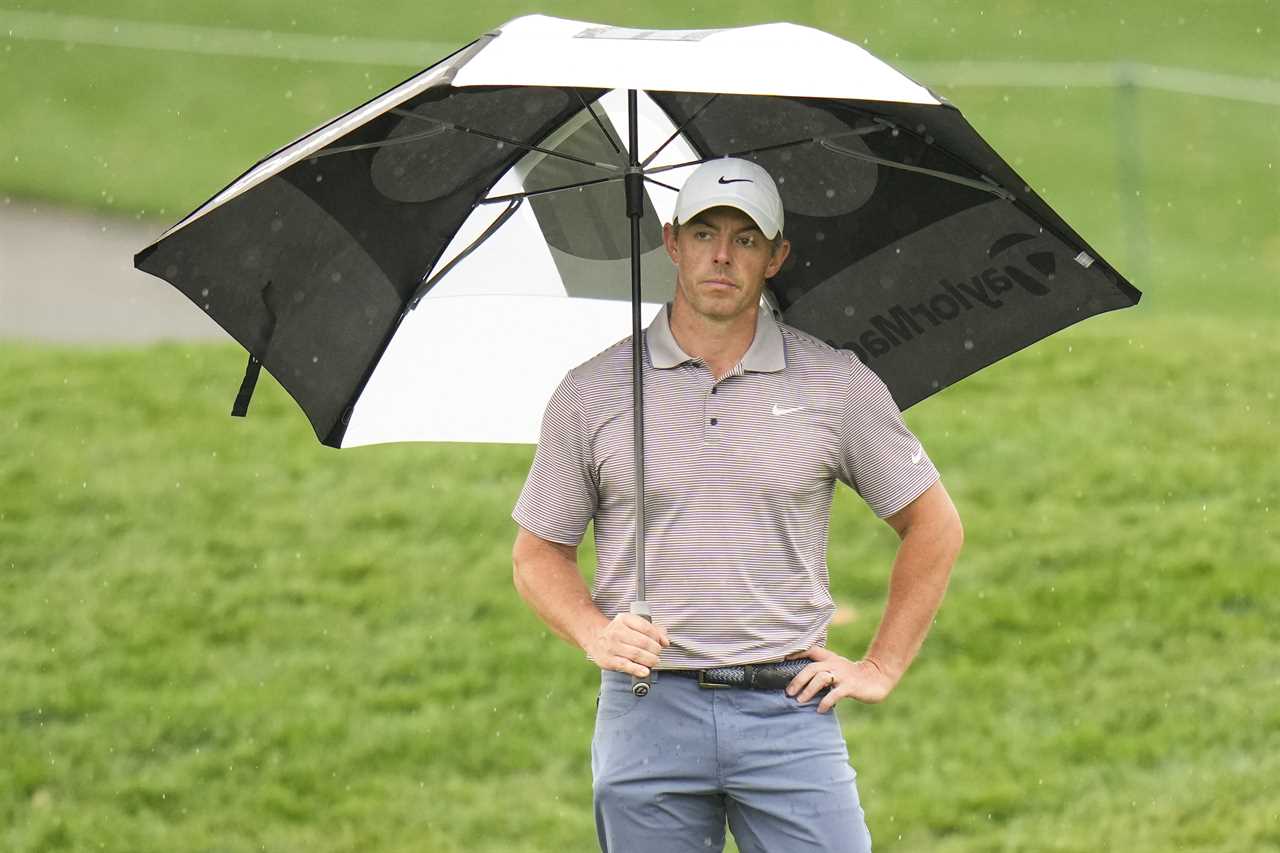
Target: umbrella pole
{"type": "Point", "coordinates": [635, 209]}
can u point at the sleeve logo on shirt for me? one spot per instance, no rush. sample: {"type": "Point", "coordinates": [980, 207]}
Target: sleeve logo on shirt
{"type": "Point", "coordinates": [918, 455]}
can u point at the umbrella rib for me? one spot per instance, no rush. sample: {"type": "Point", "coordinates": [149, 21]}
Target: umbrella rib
{"type": "Point", "coordinates": [612, 167]}
{"type": "Point", "coordinates": [993, 188]}
{"type": "Point", "coordinates": [579, 184]}
{"type": "Point", "coordinates": [773, 147]}
{"type": "Point", "coordinates": [399, 140]}
{"type": "Point", "coordinates": [531, 193]}
{"type": "Point", "coordinates": [678, 130]}
{"type": "Point", "coordinates": [428, 283]}
{"type": "Point", "coordinates": [661, 184]}
{"type": "Point", "coordinates": [825, 142]}
{"type": "Point", "coordinates": [600, 124]}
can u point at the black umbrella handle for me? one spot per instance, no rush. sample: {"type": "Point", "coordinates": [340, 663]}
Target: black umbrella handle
{"type": "Point", "coordinates": [640, 684]}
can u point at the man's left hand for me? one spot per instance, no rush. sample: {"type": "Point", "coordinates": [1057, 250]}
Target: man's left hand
{"type": "Point", "coordinates": [862, 680]}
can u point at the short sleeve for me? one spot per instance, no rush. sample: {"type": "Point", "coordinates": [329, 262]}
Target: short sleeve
{"type": "Point", "coordinates": [560, 496]}
{"type": "Point", "coordinates": [880, 458]}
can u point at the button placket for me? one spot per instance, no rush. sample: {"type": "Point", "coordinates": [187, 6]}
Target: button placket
{"type": "Point", "coordinates": [711, 427]}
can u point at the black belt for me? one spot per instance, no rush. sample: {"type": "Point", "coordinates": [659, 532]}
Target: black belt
{"type": "Point", "coordinates": [755, 676]}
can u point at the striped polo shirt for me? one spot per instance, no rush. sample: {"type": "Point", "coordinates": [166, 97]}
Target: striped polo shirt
{"type": "Point", "coordinates": [739, 476]}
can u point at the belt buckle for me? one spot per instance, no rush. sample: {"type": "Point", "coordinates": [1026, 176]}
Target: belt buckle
{"type": "Point", "coordinates": [709, 685]}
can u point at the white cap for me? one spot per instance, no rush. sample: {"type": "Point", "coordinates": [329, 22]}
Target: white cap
{"type": "Point", "coordinates": [734, 183]}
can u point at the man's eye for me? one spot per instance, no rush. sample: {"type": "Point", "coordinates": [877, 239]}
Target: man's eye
{"type": "Point", "coordinates": [746, 242]}
{"type": "Point", "coordinates": [702, 235]}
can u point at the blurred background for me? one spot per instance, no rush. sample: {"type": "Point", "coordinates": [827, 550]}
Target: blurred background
{"type": "Point", "coordinates": [216, 634]}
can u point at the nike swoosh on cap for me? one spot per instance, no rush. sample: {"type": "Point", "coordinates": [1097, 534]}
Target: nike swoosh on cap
{"type": "Point", "coordinates": [724, 180]}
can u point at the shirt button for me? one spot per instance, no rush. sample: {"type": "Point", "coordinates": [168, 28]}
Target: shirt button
{"type": "Point", "coordinates": [713, 389]}
{"type": "Point", "coordinates": [714, 421]}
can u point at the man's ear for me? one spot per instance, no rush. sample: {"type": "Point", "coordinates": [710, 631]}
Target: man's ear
{"type": "Point", "coordinates": [775, 262]}
{"type": "Point", "coordinates": [669, 241]}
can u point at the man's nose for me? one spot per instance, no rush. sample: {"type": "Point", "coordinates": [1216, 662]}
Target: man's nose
{"type": "Point", "coordinates": [724, 243]}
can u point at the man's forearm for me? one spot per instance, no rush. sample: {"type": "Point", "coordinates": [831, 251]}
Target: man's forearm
{"type": "Point", "coordinates": [916, 587]}
{"type": "Point", "coordinates": [553, 586]}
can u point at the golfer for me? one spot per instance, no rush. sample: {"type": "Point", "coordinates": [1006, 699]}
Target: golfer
{"type": "Point", "coordinates": [748, 425]}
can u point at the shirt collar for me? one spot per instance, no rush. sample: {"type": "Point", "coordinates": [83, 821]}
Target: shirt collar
{"type": "Point", "coordinates": [765, 355]}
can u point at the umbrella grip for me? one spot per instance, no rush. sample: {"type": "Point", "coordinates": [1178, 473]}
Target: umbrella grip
{"type": "Point", "coordinates": [640, 685]}
{"type": "Point", "coordinates": [634, 182]}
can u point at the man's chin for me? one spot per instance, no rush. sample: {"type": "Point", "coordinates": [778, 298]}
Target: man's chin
{"type": "Point", "coordinates": [722, 309]}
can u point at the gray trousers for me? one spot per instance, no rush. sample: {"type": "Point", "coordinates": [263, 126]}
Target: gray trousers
{"type": "Point", "coordinates": [669, 769]}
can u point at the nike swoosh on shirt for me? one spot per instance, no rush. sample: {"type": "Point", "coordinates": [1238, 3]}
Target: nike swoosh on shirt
{"type": "Point", "coordinates": [779, 412]}
{"type": "Point", "coordinates": [918, 455]}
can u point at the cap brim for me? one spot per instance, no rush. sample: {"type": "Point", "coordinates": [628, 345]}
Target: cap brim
{"type": "Point", "coordinates": [757, 215]}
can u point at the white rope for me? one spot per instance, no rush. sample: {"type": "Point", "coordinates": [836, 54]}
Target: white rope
{"type": "Point", "coordinates": [224, 41]}
{"type": "Point", "coordinates": [1067, 75]}
{"type": "Point", "coordinates": [220, 41]}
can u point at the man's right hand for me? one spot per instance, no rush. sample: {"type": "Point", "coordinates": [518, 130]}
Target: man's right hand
{"type": "Point", "coordinates": [629, 644]}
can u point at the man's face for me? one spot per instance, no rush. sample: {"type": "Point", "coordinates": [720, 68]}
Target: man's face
{"type": "Point", "coordinates": [722, 261]}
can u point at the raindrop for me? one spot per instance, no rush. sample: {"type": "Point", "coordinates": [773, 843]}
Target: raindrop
{"type": "Point", "coordinates": [849, 310]}
{"type": "Point", "coordinates": [819, 236]}
{"type": "Point", "coordinates": [315, 358]}
{"type": "Point", "coordinates": [968, 344]}
{"type": "Point", "coordinates": [336, 277]}
{"type": "Point", "coordinates": [831, 193]}
{"type": "Point", "coordinates": [319, 178]}
{"type": "Point", "coordinates": [204, 291]}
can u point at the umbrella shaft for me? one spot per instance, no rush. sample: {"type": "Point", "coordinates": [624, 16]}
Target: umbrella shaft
{"type": "Point", "coordinates": [635, 209]}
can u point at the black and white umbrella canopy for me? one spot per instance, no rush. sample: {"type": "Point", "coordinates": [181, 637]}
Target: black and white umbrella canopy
{"type": "Point", "coordinates": [428, 266]}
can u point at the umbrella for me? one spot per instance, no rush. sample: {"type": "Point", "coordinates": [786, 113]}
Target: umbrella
{"type": "Point", "coordinates": [428, 265]}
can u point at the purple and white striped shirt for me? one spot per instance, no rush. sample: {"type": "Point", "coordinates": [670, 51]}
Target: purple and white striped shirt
{"type": "Point", "coordinates": [739, 477]}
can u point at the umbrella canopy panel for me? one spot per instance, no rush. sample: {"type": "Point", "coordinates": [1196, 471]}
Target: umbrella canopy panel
{"type": "Point", "coordinates": [913, 243]}
{"type": "Point", "coordinates": [312, 268]}
{"type": "Point", "coordinates": [479, 356]}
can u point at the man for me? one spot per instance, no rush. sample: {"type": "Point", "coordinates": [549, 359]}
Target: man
{"type": "Point", "coordinates": [749, 423]}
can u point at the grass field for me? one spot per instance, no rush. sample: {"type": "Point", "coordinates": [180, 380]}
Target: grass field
{"type": "Point", "coordinates": [216, 635]}
{"type": "Point", "coordinates": [221, 636]}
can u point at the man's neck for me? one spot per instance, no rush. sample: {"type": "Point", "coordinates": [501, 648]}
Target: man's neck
{"type": "Point", "coordinates": [720, 344]}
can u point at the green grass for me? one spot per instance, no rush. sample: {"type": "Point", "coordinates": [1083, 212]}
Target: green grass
{"type": "Point", "coordinates": [218, 635]}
